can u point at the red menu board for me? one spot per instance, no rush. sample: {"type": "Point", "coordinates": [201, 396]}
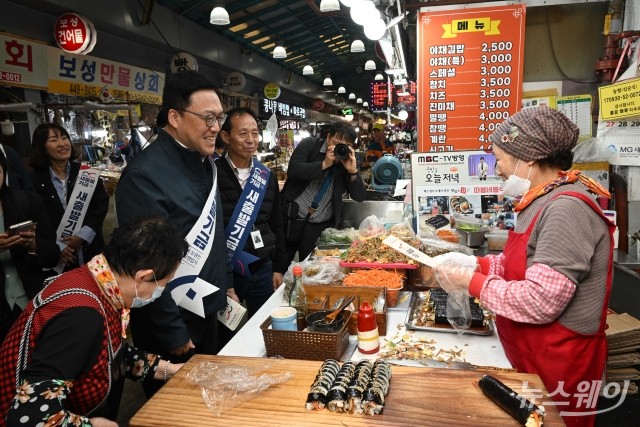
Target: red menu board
{"type": "Point", "coordinates": [379, 96]}
{"type": "Point", "coordinates": [470, 74]}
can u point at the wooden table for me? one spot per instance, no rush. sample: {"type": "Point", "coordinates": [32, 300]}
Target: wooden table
{"type": "Point", "coordinates": [418, 397]}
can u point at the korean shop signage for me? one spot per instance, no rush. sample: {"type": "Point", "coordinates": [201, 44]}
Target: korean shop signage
{"type": "Point", "coordinates": [23, 62]}
{"type": "Point", "coordinates": [283, 110]}
{"type": "Point", "coordinates": [75, 34]}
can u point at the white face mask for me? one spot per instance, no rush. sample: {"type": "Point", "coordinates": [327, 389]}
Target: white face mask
{"type": "Point", "coordinates": [515, 186]}
{"type": "Point", "coordinates": [138, 302]}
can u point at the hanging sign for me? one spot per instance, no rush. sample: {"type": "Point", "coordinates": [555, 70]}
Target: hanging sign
{"type": "Point", "coordinates": [379, 99]}
{"type": "Point", "coordinates": [235, 81]}
{"type": "Point", "coordinates": [620, 100]}
{"type": "Point", "coordinates": [89, 76]}
{"type": "Point", "coordinates": [74, 34]}
{"type": "Point", "coordinates": [183, 61]}
{"type": "Point", "coordinates": [271, 91]}
{"type": "Point", "coordinates": [284, 110]}
{"type": "Point", "coordinates": [470, 66]}
{"type": "Point", "coordinates": [23, 62]}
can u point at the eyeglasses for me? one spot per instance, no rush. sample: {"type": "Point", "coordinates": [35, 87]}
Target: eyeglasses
{"type": "Point", "coordinates": [209, 119]}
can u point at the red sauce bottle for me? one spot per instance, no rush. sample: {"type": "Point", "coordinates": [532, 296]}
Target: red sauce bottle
{"type": "Point", "coordinates": [368, 337]}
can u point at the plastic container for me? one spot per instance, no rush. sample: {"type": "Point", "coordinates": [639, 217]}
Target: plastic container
{"type": "Point", "coordinates": [497, 239]}
{"type": "Point", "coordinates": [473, 239]}
{"type": "Point", "coordinates": [467, 223]}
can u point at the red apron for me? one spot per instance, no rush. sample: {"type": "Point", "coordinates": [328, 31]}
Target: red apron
{"type": "Point", "coordinates": [552, 351]}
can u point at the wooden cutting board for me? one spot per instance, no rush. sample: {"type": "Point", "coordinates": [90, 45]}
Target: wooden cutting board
{"type": "Point", "coordinates": [418, 397]}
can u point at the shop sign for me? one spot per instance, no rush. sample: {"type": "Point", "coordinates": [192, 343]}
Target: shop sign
{"type": "Point", "coordinates": [317, 104]}
{"type": "Point", "coordinates": [620, 100]}
{"type": "Point", "coordinates": [268, 107]}
{"type": "Point", "coordinates": [235, 81]}
{"type": "Point", "coordinates": [470, 67]}
{"type": "Point", "coordinates": [446, 184]}
{"type": "Point", "coordinates": [183, 61]}
{"type": "Point", "coordinates": [271, 91]}
{"type": "Point", "coordinates": [379, 99]}
{"type": "Point", "coordinates": [23, 62]}
{"type": "Point", "coordinates": [75, 34]}
{"type": "Point", "coordinates": [89, 76]}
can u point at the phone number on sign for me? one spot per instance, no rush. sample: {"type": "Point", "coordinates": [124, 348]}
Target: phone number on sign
{"type": "Point", "coordinates": [7, 76]}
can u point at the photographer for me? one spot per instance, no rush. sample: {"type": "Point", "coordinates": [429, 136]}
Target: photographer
{"type": "Point", "coordinates": [319, 172]}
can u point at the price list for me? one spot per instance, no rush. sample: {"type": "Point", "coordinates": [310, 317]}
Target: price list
{"type": "Point", "coordinates": [470, 70]}
{"type": "Point", "coordinates": [379, 96]}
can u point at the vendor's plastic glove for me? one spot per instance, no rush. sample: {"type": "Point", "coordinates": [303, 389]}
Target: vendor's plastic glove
{"type": "Point", "coordinates": [454, 278]}
{"type": "Point", "coordinates": [455, 259]}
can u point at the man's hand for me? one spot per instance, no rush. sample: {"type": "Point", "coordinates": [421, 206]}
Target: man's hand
{"type": "Point", "coordinates": [350, 164]}
{"type": "Point", "coordinates": [231, 293]}
{"type": "Point", "coordinates": [181, 351]}
{"type": "Point", "coordinates": [7, 242]}
{"type": "Point", "coordinates": [277, 280]}
{"type": "Point", "coordinates": [329, 158]}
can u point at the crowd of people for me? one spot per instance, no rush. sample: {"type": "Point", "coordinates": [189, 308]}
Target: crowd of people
{"type": "Point", "coordinates": [200, 225]}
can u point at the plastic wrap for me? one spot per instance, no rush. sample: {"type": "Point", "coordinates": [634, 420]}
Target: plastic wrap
{"type": "Point", "coordinates": [371, 226]}
{"type": "Point", "coordinates": [593, 150]}
{"type": "Point", "coordinates": [435, 246]}
{"type": "Point", "coordinates": [333, 236]}
{"type": "Point", "coordinates": [459, 310]}
{"type": "Point", "coordinates": [454, 276]}
{"type": "Point", "coordinates": [226, 386]}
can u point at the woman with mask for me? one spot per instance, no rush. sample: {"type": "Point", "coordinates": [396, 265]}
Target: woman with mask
{"type": "Point", "coordinates": [64, 360]}
{"type": "Point", "coordinates": [550, 287]}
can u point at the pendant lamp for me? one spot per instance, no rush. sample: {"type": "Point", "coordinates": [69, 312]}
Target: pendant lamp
{"type": "Point", "coordinates": [219, 15]}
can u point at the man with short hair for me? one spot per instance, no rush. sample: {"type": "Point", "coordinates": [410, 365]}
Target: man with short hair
{"type": "Point", "coordinates": [316, 178]}
{"type": "Point", "coordinates": [246, 185]}
{"type": "Point", "coordinates": [483, 169]}
{"type": "Point", "coordinates": [379, 145]}
{"type": "Point", "coordinates": [175, 177]}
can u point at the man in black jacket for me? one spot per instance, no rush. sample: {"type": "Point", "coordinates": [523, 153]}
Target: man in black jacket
{"type": "Point", "coordinates": [316, 178]}
{"type": "Point", "coordinates": [265, 239]}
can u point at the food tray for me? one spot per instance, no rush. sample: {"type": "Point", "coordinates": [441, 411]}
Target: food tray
{"type": "Point", "coordinates": [306, 345]}
{"type": "Point", "coordinates": [385, 266]}
{"type": "Point", "coordinates": [418, 298]}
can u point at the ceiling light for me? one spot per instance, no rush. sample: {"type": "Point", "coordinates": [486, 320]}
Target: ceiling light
{"type": "Point", "coordinates": [374, 30]}
{"type": "Point", "coordinates": [329, 5]}
{"type": "Point", "coordinates": [219, 15]}
{"type": "Point", "coordinates": [370, 65]}
{"type": "Point", "coordinates": [400, 81]}
{"type": "Point", "coordinates": [347, 3]}
{"type": "Point", "coordinates": [357, 46]}
{"type": "Point", "coordinates": [379, 77]}
{"type": "Point", "coordinates": [307, 70]}
{"type": "Point", "coordinates": [365, 104]}
{"type": "Point", "coordinates": [362, 11]}
{"type": "Point", "coordinates": [341, 89]}
{"type": "Point", "coordinates": [279, 52]}
{"type": "Point", "coordinates": [359, 101]}
{"type": "Point", "coordinates": [327, 81]}
{"type": "Point", "coordinates": [352, 95]}
{"type": "Point", "coordinates": [395, 71]}
{"type": "Point", "coordinates": [403, 115]}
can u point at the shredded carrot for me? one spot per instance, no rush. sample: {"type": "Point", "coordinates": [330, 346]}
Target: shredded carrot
{"type": "Point", "coordinates": [374, 277]}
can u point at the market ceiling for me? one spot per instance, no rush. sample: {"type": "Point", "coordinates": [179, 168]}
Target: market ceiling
{"type": "Point", "coordinates": [311, 37]}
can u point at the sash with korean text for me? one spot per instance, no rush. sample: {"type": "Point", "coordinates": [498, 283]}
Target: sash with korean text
{"type": "Point", "coordinates": [243, 217]}
{"type": "Point", "coordinates": [77, 206]}
{"type": "Point", "coordinates": [187, 289]}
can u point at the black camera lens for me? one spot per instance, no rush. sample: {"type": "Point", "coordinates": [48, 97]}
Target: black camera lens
{"type": "Point", "coordinates": [341, 151]}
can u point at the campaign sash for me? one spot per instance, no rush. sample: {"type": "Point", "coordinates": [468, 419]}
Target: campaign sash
{"type": "Point", "coordinates": [77, 206]}
{"type": "Point", "coordinates": [243, 217]}
{"type": "Point", "coordinates": [186, 288]}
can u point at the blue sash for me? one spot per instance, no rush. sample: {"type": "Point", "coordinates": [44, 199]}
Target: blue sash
{"type": "Point", "coordinates": [244, 216]}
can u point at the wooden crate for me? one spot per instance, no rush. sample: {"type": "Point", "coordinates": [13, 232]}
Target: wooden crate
{"type": "Point", "coordinates": [323, 297]}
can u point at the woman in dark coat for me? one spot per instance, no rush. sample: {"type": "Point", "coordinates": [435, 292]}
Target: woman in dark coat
{"type": "Point", "coordinates": [23, 255]}
{"type": "Point", "coordinates": [54, 176]}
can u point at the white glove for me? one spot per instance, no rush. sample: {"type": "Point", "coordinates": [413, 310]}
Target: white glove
{"type": "Point", "coordinates": [455, 259]}
{"type": "Point", "coordinates": [453, 279]}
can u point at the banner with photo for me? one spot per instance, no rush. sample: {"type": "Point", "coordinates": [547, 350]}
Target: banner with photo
{"type": "Point", "coordinates": [460, 183]}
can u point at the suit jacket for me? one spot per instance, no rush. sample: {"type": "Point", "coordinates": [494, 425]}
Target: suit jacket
{"type": "Point", "coordinates": [305, 165]}
{"type": "Point", "coordinates": [96, 212]}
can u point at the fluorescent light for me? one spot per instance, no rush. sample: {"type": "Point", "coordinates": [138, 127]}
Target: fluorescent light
{"type": "Point", "coordinates": [219, 16]}
{"type": "Point", "coordinates": [375, 29]}
{"type": "Point", "coordinates": [307, 70]}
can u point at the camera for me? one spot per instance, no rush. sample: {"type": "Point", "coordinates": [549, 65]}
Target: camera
{"type": "Point", "coordinates": [341, 151]}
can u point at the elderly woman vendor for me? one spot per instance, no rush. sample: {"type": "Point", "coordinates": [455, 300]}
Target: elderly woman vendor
{"type": "Point", "coordinates": [64, 360]}
{"type": "Point", "coordinates": [550, 287]}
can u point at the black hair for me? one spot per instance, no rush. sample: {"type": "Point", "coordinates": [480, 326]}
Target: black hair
{"type": "Point", "coordinates": [179, 87]}
{"type": "Point", "coordinates": [219, 141]}
{"type": "Point", "coordinates": [147, 242]}
{"type": "Point", "coordinates": [38, 158]}
{"type": "Point", "coordinates": [344, 129]}
{"type": "Point", "coordinates": [161, 118]}
{"type": "Point", "coordinates": [481, 158]}
{"type": "Point", "coordinates": [559, 159]}
{"type": "Point", "coordinates": [239, 111]}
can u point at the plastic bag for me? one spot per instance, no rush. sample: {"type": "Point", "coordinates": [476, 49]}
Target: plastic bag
{"type": "Point", "coordinates": [593, 150]}
{"type": "Point", "coordinates": [333, 236]}
{"type": "Point", "coordinates": [371, 226]}
{"type": "Point", "coordinates": [226, 386]}
{"type": "Point", "coordinates": [435, 246]}
{"type": "Point", "coordinates": [454, 277]}
{"type": "Point", "coordinates": [314, 272]}
{"type": "Point", "coordinates": [459, 311]}
{"type": "Point", "coordinates": [403, 230]}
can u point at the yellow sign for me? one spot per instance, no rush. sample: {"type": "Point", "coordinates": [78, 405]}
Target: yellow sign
{"type": "Point", "coordinates": [620, 100]}
{"type": "Point", "coordinates": [271, 91]}
{"type": "Point", "coordinates": [459, 26]}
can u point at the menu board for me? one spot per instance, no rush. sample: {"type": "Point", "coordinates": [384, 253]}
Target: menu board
{"type": "Point", "coordinates": [379, 96]}
{"type": "Point", "coordinates": [461, 184]}
{"type": "Point", "coordinates": [470, 71]}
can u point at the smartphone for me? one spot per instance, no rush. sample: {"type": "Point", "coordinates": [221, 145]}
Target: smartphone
{"type": "Point", "coordinates": [21, 227]}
